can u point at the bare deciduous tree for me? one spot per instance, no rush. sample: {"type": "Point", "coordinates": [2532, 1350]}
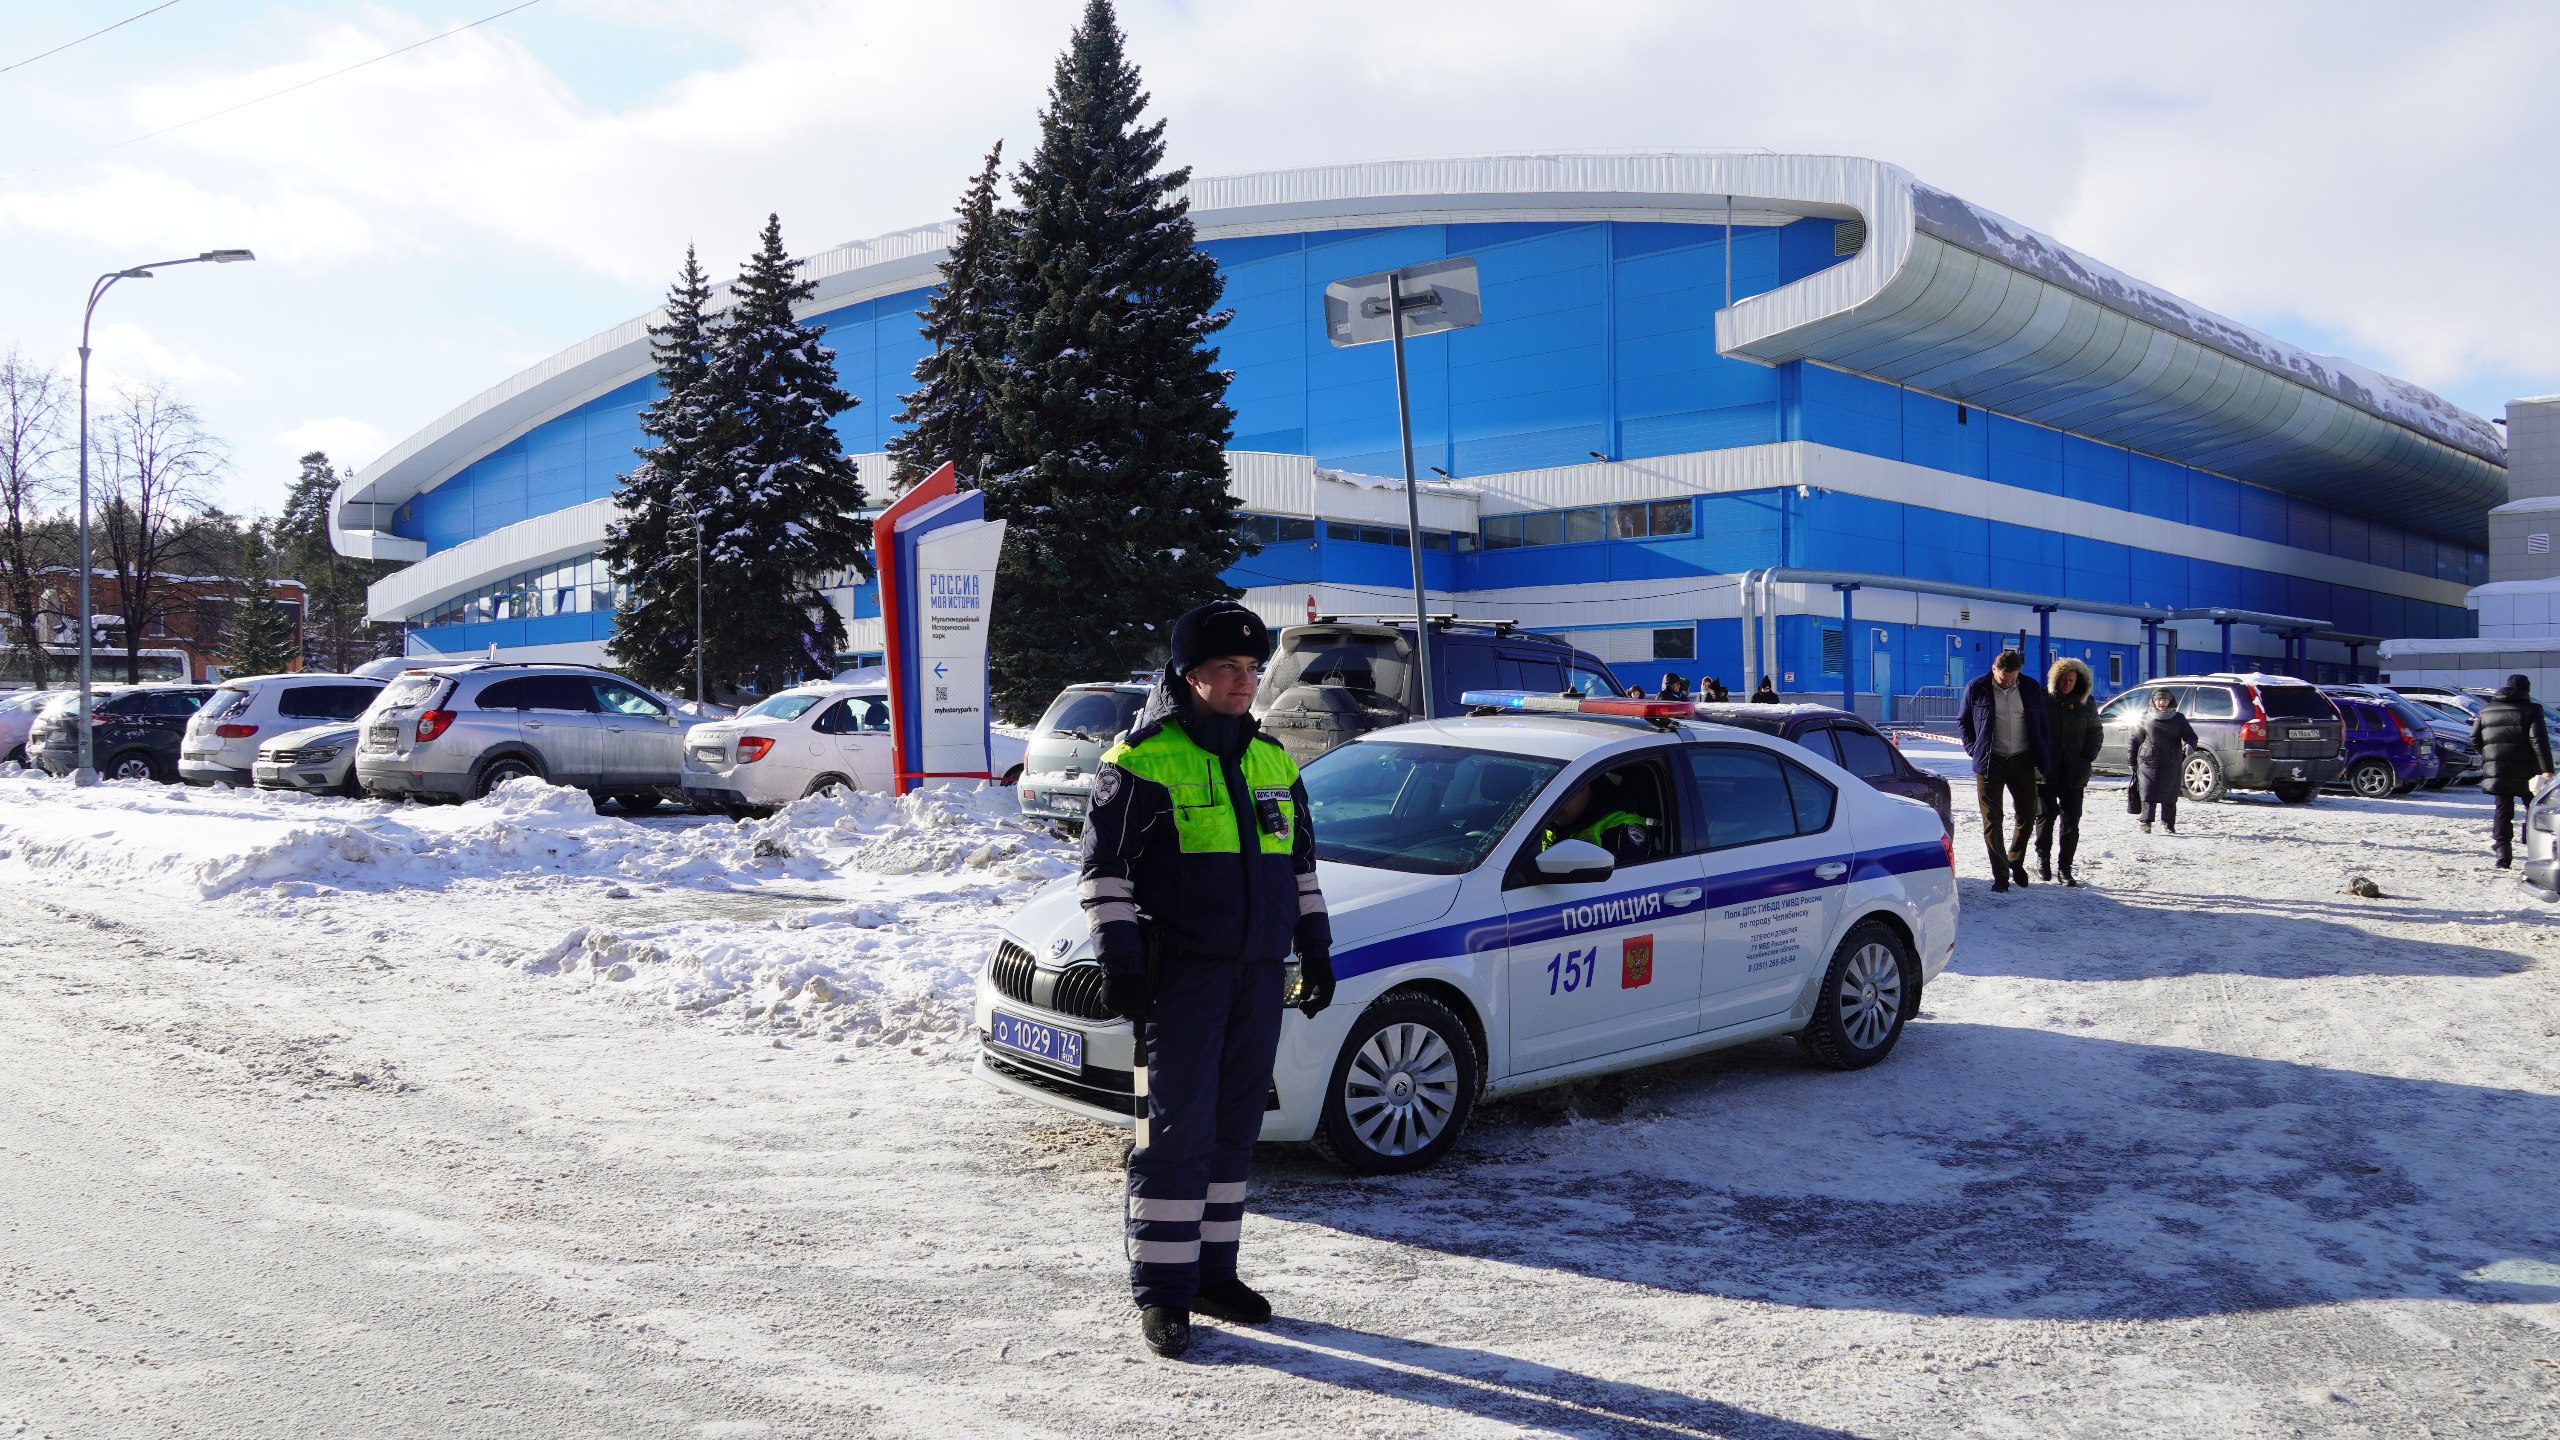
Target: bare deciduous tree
{"type": "Point", "coordinates": [31, 449]}
{"type": "Point", "coordinates": [158, 464]}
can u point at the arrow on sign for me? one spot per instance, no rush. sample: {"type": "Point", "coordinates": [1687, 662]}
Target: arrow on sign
{"type": "Point", "coordinates": [938, 670]}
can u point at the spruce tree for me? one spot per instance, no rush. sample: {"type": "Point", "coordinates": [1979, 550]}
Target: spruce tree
{"type": "Point", "coordinates": [649, 546]}
{"type": "Point", "coordinates": [779, 499]}
{"type": "Point", "coordinates": [1109, 401]}
{"type": "Point", "coordinates": [948, 416]}
{"type": "Point", "coordinates": [333, 585]}
{"type": "Point", "coordinates": [259, 637]}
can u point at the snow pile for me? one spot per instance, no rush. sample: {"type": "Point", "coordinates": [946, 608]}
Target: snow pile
{"type": "Point", "coordinates": [207, 844]}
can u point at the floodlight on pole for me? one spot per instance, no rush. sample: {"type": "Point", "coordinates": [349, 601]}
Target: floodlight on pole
{"type": "Point", "coordinates": [85, 772]}
{"type": "Point", "coordinates": [1393, 305]}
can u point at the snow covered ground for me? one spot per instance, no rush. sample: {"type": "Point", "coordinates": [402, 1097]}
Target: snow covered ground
{"type": "Point", "coordinates": [319, 1117]}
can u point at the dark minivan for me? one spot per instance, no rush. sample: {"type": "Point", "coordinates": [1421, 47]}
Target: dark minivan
{"type": "Point", "coordinates": [2256, 732]}
{"type": "Point", "coordinates": [1339, 678]}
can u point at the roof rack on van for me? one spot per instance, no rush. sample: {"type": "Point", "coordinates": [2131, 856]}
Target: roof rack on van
{"type": "Point", "coordinates": [1438, 622]}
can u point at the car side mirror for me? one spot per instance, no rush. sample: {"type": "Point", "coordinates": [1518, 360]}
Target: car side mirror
{"type": "Point", "coordinates": [1575, 862]}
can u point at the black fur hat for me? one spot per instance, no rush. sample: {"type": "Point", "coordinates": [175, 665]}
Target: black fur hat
{"type": "Point", "coordinates": [1221, 627]}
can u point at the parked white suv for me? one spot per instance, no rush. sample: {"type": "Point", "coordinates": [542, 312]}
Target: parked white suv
{"type": "Point", "coordinates": [222, 740]}
{"type": "Point", "coordinates": [811, 738]}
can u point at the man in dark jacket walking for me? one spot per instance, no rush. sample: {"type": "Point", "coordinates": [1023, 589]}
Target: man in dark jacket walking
{"type": "Point", "coordinates": [1199, 879]}
{"type": "Point", "coordinates": [2072, 708]}
{"type": "Point", "coordinates": [2514, 741]}
{"type": "Point", "coordinates": [2007, 732]}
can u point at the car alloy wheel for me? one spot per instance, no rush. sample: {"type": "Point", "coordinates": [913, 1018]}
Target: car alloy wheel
{"type": "Point", "coordinates": [502, 771]}
{"type": "Point", "coordinates": [1402, 1088]}
{"type": "Point", "coordinates": [133, 767]}
{"type": "Point", "coordinates": [2202, 777]}
{"type": "Point", "coordinates": [1868, 993]}
{"type": "Point", "coordinates": [2372, 780]}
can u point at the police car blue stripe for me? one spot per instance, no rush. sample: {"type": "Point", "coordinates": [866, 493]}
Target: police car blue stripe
{"type": "Point", "coordinates": [1900, 860]}
{"type": "Point", "coordinates": [1631, 907]}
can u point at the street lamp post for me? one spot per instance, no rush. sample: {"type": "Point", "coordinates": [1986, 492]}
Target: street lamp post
{"type": "Point", "coordinates": [86, 773]}
{"type": "Point", "coordinates": [1393, 306]}
{"type": "Point", "coordinates": [698, 694]}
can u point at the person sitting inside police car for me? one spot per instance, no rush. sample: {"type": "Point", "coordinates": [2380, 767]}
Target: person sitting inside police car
{"type": "Point", "coordinates": [1199, 833]}
{"type": "Point", "coordinates": [1625, 834]}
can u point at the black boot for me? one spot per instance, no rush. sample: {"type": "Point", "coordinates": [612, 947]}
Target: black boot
{"type": "Point", "coordinates": [2067, 877]}
{"type": "Point", "coordinates": [1234, 1301]}
{"type": "Point", "coordinates": [2044, 866]}
{"type": "Point", "coordinates": [2018, 873]}
{"type": "Point", "coordinates": [1168, 1330]}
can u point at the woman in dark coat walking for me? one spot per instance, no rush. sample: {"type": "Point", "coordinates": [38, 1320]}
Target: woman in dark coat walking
{"type": "Point", "coordinates": [2514, 742]}
{"type": "Point", "coordinates": [2071, 709]}
{"type": "Point", "coordinates": [2157, 756]}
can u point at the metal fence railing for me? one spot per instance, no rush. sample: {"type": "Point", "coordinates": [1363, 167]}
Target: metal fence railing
{"type": "Point", "coordinates": [1931, 707]}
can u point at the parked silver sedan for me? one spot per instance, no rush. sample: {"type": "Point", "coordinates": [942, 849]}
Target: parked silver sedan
{"type": "Point", "coordinates": [317, 760]}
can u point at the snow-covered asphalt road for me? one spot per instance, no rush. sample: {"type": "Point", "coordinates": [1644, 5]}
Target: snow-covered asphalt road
{"type": "Point", "coordinates": [345, 1121]}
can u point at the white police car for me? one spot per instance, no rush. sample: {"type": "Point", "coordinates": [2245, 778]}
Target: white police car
{"type": "Point", "coordinates": [1768, 892]}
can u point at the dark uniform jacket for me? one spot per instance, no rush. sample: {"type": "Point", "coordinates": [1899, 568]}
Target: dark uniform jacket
{"type": "Point", "coordinates": [1182, 836]}
{"type": "Point", "coordinates": [2514, 742]}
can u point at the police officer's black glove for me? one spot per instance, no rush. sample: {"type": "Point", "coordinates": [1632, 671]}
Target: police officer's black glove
{"type": "Point", "coordinates": [1316, 975]}
{"type": "Point", "coordinates": [1129, 996]}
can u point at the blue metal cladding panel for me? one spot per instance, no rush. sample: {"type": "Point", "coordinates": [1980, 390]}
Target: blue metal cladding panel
{"type": "Point", "coordinates": [1944, 435]}
{"type": "Point", "coordinates": [508, 634]}
{"type": "Point", "coordinates": [2213, 503]}
{"type": "Point", "coordinates": [2262, 514]}
{"type": "Point", "coordinates": [1848, 532]}
{"type": "Point", "coordinates": [2025, 559]}
{"type": "Point", "coordinates": [2157, 488]}
{"type": "Point", "coordinates": [1805, 246]}
{"type": "Point", "coordinates": [2027, 456]}
{"type": "Point", "coordinates": [2099, 474]}
{"type": "Point", "coordinates": [1850, 412]}
{"type": "Point", "coordinates": [2098, 569]}
{"type": "Point", "coordinates": [1956, 549]}
{"type": "Point", "coordinates": [2158, 580]}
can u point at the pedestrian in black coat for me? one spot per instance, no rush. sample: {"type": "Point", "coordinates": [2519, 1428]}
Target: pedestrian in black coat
{"type": "Point", "coordinates": [2071, 710]}
{"type": "Point", "coordinates": [1674, 687]}
{"type": "Point", "coordinates": [1767, 694]}
{"type": "Point", "coordinates": [2514, 741]}
{"type": "Point", "coordinates": [2008, 732]}
{"type": "Point", "coordinates": [2157, 756]}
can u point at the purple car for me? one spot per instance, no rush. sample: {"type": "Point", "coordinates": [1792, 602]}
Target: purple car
{"type": "Point", "coordinates": [2382, 756]}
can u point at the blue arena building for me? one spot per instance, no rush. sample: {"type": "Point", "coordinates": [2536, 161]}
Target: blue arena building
{"type": "Point", "coordinates": [1726, 414]}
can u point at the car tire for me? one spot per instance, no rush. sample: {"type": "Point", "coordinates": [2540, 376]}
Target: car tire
{"type": "Point", "coordinates": [351, 788]}
{"type": "Point", "coordinates": [1868, 994]}
{"type": "Point", "coordinates": [2296, 792]}
{"type": "Point", "coordinates": [642, 803]}
{"type": "Point", "coordinates": [1411, 1066]}
{"type": "Point", "coordinates": [501, 770]}
{"type": "Point", "coordinates": [2439, 782]}
{"type": "Point", "coordinates": [826, 784]}
{"type": "Point", "coordinates": [133, 765]}
{"type": "Point", "coordinates": [2371, 779]}
{"type": "Point", "coordinates": [2202, 780]}
{"type": "Point", "coordinates": [1012, 776]}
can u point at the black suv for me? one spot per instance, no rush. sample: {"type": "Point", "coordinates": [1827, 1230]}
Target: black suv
{"type": "Point", "coordinates": [2255, 732]}
{"type": "Point", "coordinates": [1341, 677]}
{"type": "Point", "coordinates": [133, 735]}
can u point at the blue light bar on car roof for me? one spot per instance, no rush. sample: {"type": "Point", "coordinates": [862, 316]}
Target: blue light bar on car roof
{"type": "Point", "coordinates": [1533, 700]}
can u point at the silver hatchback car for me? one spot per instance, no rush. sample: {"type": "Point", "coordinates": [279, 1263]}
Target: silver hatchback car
{"type": "Point", "coordinates": [456, 732]}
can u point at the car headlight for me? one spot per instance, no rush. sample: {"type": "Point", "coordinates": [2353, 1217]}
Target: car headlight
{"type": "Point", "coordinates": [321, 755]}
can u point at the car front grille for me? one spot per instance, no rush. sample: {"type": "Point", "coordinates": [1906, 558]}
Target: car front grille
{"type": "Point", "coordinates": [1012, 970]}
{"type": "Point", "coordinates": [320, 756]}
{"type": "Point", "coordinates": [1076, 990]}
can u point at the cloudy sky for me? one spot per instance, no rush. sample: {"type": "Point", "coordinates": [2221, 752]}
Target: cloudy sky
{"type": "Point", "coordinates": [2365, 179]}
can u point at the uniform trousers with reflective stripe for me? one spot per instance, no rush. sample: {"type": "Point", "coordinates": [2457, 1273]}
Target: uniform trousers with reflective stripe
{"type": "Point", "coordinates": [1210, 1044]}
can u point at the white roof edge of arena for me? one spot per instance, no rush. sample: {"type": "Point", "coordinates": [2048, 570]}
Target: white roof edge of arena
{"type": "Point", "coordinates": [1899, 309]}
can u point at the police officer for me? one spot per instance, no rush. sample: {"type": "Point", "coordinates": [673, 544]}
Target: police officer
{"type": "Point", "coordinates": [1199, 879]}
{"type": "Point", "coordinates": [1622, 833]}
